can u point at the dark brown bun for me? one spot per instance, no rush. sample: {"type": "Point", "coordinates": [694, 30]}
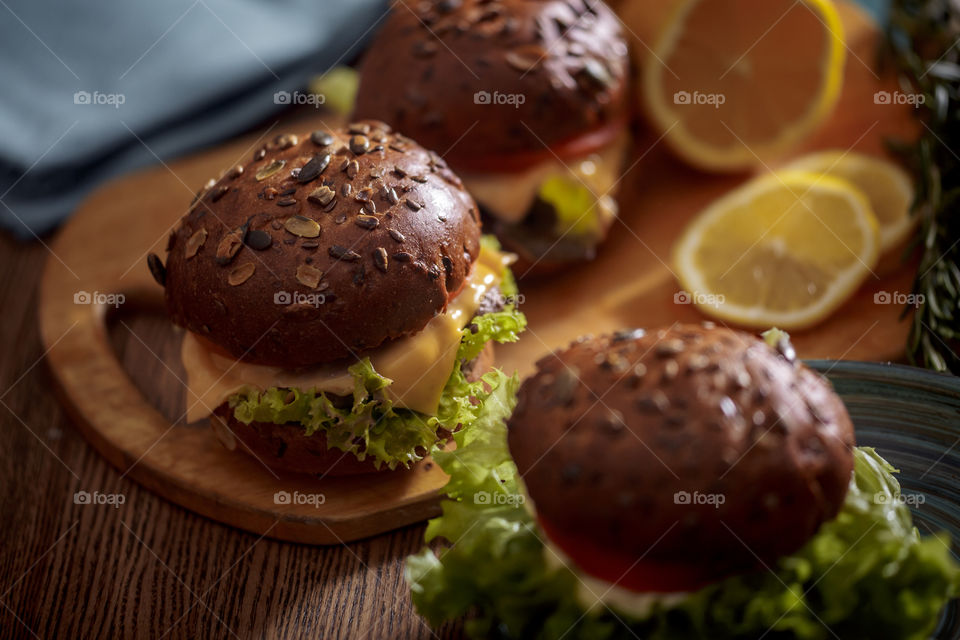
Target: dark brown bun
{"type": "Point", "coordinates": [379, 240]}
{"type": "Point", "coordinates": [287, 447]}
{"type": "Point", "coordinates": [567, 58]}
{"type": "Point", "coordinates": [608, 433]}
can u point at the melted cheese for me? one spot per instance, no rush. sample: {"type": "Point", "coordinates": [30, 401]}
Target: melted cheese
{"type": "Point", "coordinates": [509, 196]}
{"type": "Point", "coordinates": [419, 365]}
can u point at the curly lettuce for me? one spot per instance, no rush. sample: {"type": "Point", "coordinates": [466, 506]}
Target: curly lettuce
{"type": "Point", "coordinates": [866, 574]}
{"type": "Point", "coordinates": [372, 427]}
{"type": "Point", "coordinates": [574, 205]}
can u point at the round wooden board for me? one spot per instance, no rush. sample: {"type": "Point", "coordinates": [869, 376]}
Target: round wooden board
{"type": "Point", "coordinates": [103, 249]}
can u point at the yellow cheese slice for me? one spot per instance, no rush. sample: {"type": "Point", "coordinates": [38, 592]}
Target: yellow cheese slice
{"type": "Point", "coordinates": [419, 365]}
{"type": "Point", "coordinates": [509, 196]}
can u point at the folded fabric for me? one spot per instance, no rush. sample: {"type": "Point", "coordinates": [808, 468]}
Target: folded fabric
{"type": "Point", "coordinates": [96, 88]}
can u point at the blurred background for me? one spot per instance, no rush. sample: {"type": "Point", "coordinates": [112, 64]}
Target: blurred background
{"type": "Point", "coordinates": [99, 88]}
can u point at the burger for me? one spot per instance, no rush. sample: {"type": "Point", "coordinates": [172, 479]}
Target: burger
{"type": "Point", "coordinates": [691, 482]}
{"type": "Point", "coordinates": [528, 102]}
{"type": "Point", "coordinates": [338, 302]}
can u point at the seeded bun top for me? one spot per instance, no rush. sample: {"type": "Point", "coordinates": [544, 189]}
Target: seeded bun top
{"type": "Point", "coordinates": [612, 433]}
{"type": "Point", "coordinates": [322, 246]}
{"type": "Point", "coordinates": [496, 77]}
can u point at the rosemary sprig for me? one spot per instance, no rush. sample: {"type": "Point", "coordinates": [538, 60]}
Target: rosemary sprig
{"type": "Point", "coordinates": [924, 36]}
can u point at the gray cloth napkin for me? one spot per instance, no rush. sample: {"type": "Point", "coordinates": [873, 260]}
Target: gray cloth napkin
{"type": "Point", "coordinates": [94, 88]}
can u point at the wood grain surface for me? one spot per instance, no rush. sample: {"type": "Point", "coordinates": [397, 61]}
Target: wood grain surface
{"type": "Point", "coordinates": [150, 569]}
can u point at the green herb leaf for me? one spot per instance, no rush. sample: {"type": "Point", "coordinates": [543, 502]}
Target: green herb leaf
{"type": "Point", "coordinates": [922, 36]}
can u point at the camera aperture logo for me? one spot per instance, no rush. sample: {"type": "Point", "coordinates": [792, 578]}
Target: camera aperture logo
{"type": "Point", "coordinates": [107, 299]}
{"type": "Point", "coordinates": [496, 98]}
{"type": "Point", "coordinates": [112, 499]}
{"type": "Point", "coordinates": [697, 98]}
{"type": "Point", "coordinates": [285, 497]}
{"type": "Point", "coordinates": [699, 298]}
{"type": "Point", "coordinates": [899, 98]}
{"type": "Point", "coordinates": [908, 499]}
{"type": "Point", "coordinates": [498, 499]}
{"type": "Point", "coordinates": [898, 298]}
{"type": "Point", "coordinates": [300, 98]}
{"type": "Point", "coordinates": [696, 498]}
{"type": "Point", "coordinates": [298, 298]}
{"type": "Point", "coordinates": [97, 98]}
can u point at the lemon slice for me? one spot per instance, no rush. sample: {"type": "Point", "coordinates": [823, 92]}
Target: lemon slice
{"type": "Point", "coordinates": [887, 187]}
{"type": "Point", "coordinates": [733, 84]}
{"type": "Point", "coordinates": [783, 250]}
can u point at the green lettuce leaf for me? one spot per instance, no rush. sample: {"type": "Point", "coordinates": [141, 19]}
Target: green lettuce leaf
{"type": "Point", "coordinates": [372, 426]}
{"type": "Point", "coordinates": [338, 88]}
{"type": "Point", "coordinates": [573, 204]}
{"type": "Point", "coordinates": [866, 574]}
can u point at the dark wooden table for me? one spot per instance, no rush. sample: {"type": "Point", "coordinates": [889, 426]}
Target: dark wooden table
{"type": "Point", "coordinates": [148, 568]}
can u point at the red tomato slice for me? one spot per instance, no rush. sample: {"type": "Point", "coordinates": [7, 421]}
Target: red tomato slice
{"type": "Point", "coordinates": [614, 567]}
{"type": "Point", "coordinates": [575, 147]}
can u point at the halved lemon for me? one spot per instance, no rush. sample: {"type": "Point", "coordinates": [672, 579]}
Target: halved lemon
{"type": "Point", "coordinates": [783, 250]}
{"type": "Point", "coordinates": [887, 187]}
{"type": "Point", "coordinates": [733, 84]}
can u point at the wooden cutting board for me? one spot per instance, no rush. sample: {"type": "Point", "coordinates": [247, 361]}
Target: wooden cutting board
{"type": "Point", "coordinates": [129, 406]}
